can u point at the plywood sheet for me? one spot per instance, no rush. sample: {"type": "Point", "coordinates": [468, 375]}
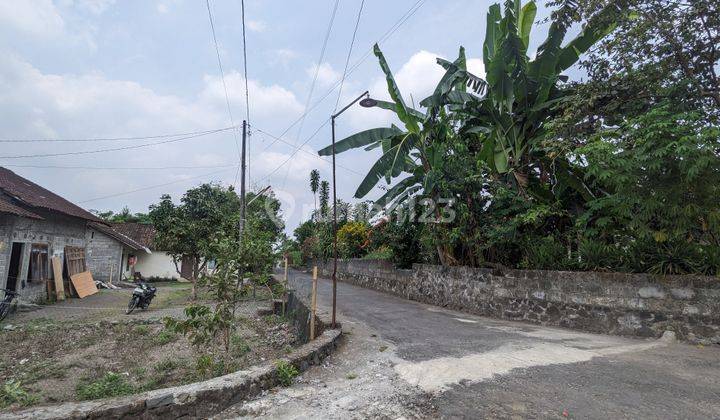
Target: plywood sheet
{"type": "Point", "coordinates": [84, 284]}
{"type": "Point", "coordinates": [58, 277]}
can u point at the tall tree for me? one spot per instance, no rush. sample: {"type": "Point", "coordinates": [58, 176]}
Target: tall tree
{"type": "Point", "coordinates": [315, 184]}
{"type": "Point", "coordinates": [324, 199]}
{"type": "Point", "coordinates": [190, 231]}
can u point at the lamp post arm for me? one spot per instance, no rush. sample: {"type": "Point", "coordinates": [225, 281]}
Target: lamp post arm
{"type": "Point", "coordinates": [350, 104]}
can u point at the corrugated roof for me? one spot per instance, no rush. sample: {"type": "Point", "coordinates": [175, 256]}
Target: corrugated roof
{"type": "Point", "coordinates": [34, 195]}
{"type": "Point", "coordinates": [7, 206]}
{"type": "Point", "coordinates": [139, 232]}
{"type": "Point", "coordinates": [109, 231]}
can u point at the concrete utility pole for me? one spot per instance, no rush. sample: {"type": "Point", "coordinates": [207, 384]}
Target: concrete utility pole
{"type": "Point", "coordinates": [241, 224]}
{"type": "Point", "coordinates": [242, 181]}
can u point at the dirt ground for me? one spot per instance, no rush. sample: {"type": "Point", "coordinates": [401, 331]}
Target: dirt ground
{"type": "Point", "coordinates": [88, 348]}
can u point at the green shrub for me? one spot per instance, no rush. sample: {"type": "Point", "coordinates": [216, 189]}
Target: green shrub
{"type": "Point", "coordinates": [167, 365]}
{"type": "Point", "coordinates": [673, 258]}
{"type": "Point", "coordinates": [12, 392]}
{"type": "Point", "coordinates": [110, 385]}
{"type": "Point", "coordinates": [204, 364]}
{"type": "Point", "coordinates": [165, 337]}
{"type": "Point", "coordinates": [594, 255]}
{"type": "Point", "coordinates": [142, 330]}
{"type": "Point", "coordinates": [545, 254]}
{"type": "Point", "coordinates": [286, 372]}
{"type": "Point", "coordinates": [382, 253]}
{"type": "Point", "coordinates": [709, 260]}
{"type": "Point", "coordinates": [239, 345]}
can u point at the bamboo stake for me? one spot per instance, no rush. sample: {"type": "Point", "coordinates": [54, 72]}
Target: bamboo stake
{"type": "Point", "coordinates": [313, 305]}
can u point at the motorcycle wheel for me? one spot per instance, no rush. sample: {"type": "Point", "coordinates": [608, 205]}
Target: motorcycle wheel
{"type": "Point", "coordinates": [4, 310]}
{"type": "Point", "coordinates": [132, 305]}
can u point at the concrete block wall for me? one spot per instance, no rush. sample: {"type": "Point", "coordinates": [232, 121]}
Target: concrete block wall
{"type": "Point", "coordinates": [103, 255]}
{"type": "Point", "coordinates": [612, 303]}
{"type": "Point", "coordinates": [53, 230]}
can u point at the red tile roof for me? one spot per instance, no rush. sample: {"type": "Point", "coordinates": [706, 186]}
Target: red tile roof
{"type": "Point", "coordinates": [138, 232]}
{"type": "Point", "coordinates": [7, 206]}
{"type": "Point", "coordinates": [109, 231]}
{"type": "Point", "coordinates": [33, 195]}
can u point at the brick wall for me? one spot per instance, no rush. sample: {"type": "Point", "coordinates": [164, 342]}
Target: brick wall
{"type": "Point", "coordinates": [54, 230]}
{"type": "Point", "coordinates": [102, 254]}
{"type": "Point", "coordinates": [611, 303]}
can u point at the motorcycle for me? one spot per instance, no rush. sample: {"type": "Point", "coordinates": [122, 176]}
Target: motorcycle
{"type": "Point", "coordinates": [142, 295]}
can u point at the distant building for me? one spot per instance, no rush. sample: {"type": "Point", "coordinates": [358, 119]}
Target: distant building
{"type": "Point", "coordinates": [155, 263]}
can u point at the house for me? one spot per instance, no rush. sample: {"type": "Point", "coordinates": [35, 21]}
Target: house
{"type": "Point", "coordinates": [106, 252]}
{"type": "Point", "coordinates": [36, 225]}
{"type": "Point", "coordinates": [153, 264]}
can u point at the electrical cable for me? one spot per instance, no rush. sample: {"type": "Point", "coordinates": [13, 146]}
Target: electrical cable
{"type": "Point", "coordinates": [111, 149]}
{"type": "Point", "coordinates": [347, 60]}
{"type": "Point", "coordinates": [99, 139]}
{"type": "Point", "coordinates": [222, 77]}
{"type": "Point", "coordinates": [152, 186]}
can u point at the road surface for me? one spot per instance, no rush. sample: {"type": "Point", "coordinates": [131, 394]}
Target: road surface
{"type": "Point", "coordinates": [403, 359]}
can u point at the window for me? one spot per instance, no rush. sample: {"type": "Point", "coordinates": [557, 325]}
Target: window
{"type": "Point", "coordinates": [39, 268]}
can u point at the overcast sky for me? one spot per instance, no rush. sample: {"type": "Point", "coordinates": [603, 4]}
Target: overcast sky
{"type": "Point", "coordinates": [105, 69]}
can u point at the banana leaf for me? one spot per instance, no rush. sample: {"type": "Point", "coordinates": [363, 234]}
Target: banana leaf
{"type": "Point", "coordinates": [410, 121]}
{"type": "Point", "coordinates": [363, 138]}
{"type": "Point", "coordinates": [390, 164]}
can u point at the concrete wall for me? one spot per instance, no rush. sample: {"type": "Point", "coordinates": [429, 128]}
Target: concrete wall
{"type": "Point", "coordinates": [103, 255]}
{"type": "Point", "coordinates": [54, 230]}
{"type": "Point", "coordinates": [157, 264]}
{"type": "Point", "coordinates": [612, 303]}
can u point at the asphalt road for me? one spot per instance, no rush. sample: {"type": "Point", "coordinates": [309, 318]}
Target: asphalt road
{"type": "Point", "coordinates": [466, 366]}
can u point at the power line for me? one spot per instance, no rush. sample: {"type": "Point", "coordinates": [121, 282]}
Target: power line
{"type": "Point", "coordinates": [413, 9]}
{"type": "Point", "coordinates": [294, 152]}
{"type": "Point", "coordinates": [118, 168]}
{"type": "Point", "coordinates": [317, 67]}
{"type": "Point", "coordinates": [152, 187]}
{"type": "Point", "coordinates": [114, 149]}
{"type": "Point", "coordinates": [100, 139]}
{"type": "Point", "coordinates": [347, 60]}
{"type": "Point", "coordinates": [247, 91]}
{"type": "Point", "coordinates": [315, 155]}
{"type": "Point", "coordinates": [222, 77]}
{"type": "Point", "coordinates": [404, 18]}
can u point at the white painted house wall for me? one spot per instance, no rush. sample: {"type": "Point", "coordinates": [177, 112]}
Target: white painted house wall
{"type": "Point", "coordinates": [157, 264]}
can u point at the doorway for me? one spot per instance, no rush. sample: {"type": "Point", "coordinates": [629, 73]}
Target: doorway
{"type": "Point", "coordinates": [14, 270]}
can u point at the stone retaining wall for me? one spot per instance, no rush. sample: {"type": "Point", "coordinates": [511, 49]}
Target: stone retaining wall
{"type": "Point", "coordinates": [612, 303]}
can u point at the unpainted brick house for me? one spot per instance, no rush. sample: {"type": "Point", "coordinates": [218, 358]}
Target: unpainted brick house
{"type": "Point", "coordinates": [36, 225]}
{"type": "Point", "coordinates": [108, 250]}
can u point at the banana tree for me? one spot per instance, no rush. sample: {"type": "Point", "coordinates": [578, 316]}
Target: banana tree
{"type": "Point", "coordinates": [519, 97]}
{"type": "Point", "coordinates": [417, 150]}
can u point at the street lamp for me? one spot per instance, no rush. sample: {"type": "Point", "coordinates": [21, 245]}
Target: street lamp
{"type": "Point", "coordinates": [367, 102]}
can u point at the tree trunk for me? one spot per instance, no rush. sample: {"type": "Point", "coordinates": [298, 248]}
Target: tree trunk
{"type": "Point", "coordinates": [195, 274]}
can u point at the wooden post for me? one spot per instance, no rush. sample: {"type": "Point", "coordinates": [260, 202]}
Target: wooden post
{"type": "Point", "coordinates": [111, 274]}
{"type": "Point", "coordinates": [313, 305]}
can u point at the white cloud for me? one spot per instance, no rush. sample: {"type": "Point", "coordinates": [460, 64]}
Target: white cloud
{"type": "Point", "coordinates": [42, 105]}
{"type": "Point", "coordinates": [326, 74]}
{"type": "Point", "coordinates": [416, 79]}
{"type": "Point", "coordinates": [39, 18]}
{"type": "Point", "coordinates": [282, 56]}
{"type": "Point", "coordinates": [256, 25]}
{"type": "Point", "coordinates": [267, 102]}
{"type": "Point", "coordinates": [95, 7]}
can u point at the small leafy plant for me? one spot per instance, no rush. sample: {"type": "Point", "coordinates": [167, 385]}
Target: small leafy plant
{"type": "Point", "coordinates": [12, 392]}
{"type": "Point", "coordinates": [286, 372]}
{"type": "Point", "coordinates": [110, 385]}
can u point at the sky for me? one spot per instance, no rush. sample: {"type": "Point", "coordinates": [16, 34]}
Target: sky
{"type": "Point", "coordinates": [107, 69]}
